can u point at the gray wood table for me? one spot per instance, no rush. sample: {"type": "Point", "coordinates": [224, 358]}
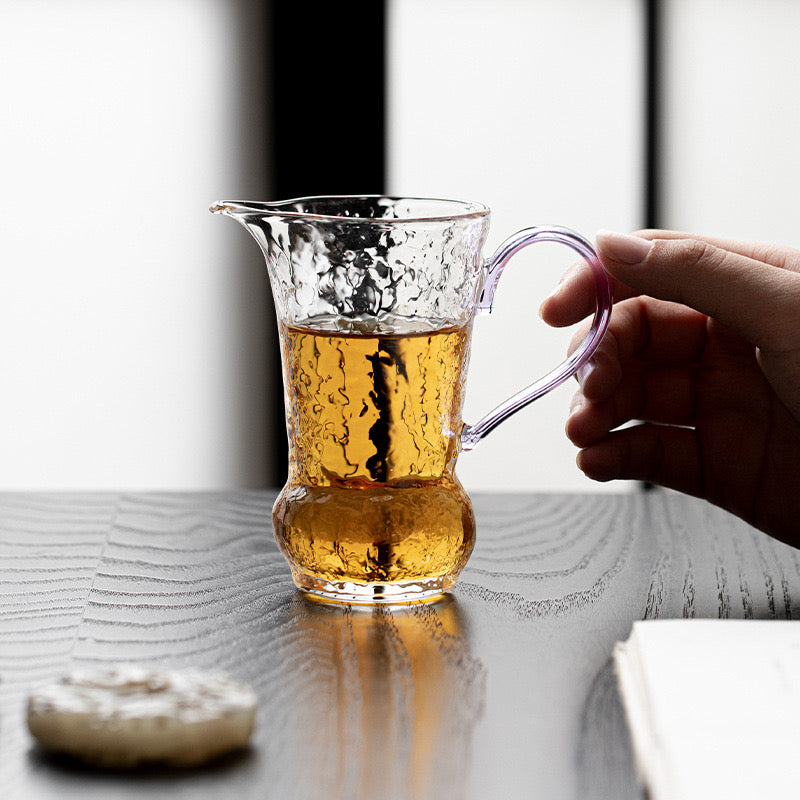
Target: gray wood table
{"type": "Point", "coordinates": [503, 690]}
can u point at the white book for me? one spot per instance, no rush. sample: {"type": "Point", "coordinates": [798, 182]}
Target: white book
{"type": "Point", "coordinates": [713, 707]}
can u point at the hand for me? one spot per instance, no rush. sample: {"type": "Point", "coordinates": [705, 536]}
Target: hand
{"type": "Point", "coordinates": [704, 346]}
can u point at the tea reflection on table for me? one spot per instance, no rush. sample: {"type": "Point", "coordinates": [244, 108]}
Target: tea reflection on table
{"type": "Point", "coordinates": [385, 698]}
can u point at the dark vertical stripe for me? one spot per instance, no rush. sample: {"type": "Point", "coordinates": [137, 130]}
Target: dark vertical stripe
{"type": "Point", "coordinates": [249, 130]}
{"type": "Point", "coordinates": [653, 89]}
{"type": "Point", "coordinates": [328, 91]}
{"type": "Point", "coordinates": [652, 213]}
{"type": "Point", "coordinates": [327, 64]}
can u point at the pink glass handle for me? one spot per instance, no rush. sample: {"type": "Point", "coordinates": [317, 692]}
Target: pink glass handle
{"type": "Point", "coordinates": [472, 434]}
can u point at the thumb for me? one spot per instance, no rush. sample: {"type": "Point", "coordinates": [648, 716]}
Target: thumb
{"type": "Point", "coordinates": [758, 300]}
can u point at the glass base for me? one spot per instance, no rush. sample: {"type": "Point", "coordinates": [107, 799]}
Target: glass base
{"type": "Point", "coordinates": [421, 591]}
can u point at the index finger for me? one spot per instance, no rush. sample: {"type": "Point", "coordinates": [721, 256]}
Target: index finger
{"type": "Point", "coordinates": [752, 297]}
{"type": "Point", "coordinates": [774, 255]}
{"type": "Point", "coordinates": [574, 297]}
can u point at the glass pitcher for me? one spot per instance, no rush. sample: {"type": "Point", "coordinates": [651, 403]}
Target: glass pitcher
{"type": "Point", "coordinates": [375, 298]}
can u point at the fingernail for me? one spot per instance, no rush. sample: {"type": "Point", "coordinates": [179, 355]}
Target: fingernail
{"type": "Point", "coordinates": [622, 247]}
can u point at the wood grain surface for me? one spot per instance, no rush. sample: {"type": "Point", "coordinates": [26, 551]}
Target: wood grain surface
{"type": "Point", "coordinates": [502, 690]}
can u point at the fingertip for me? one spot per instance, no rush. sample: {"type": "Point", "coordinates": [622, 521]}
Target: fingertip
{"type": "Point", "coordinates": [572, 300]}
{"type": "Point", "coordinates": [549, 310]}
{"type": "Point", "coordinates": [584, 373]}
{"type": "Point", "coordinates": [587, 422]}
{"type": "Point", "coordinates": [597, 462]}
{"type": "Point", "coordinates": [574, 425]}
{"type": "Point", "coordinates": [600, 376]}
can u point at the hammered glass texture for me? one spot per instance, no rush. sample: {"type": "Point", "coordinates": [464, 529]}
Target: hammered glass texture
{"type": "Point", "coordinates": [426, 272]}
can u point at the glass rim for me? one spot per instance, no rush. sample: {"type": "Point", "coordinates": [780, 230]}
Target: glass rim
{"type": "Point", "coordinates": [282, 208]}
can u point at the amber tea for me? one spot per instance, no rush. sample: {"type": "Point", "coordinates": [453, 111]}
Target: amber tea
{"type": "Point", "coordinates": [374, 418]}
{"type": "Point", "coordinates": [375, 298]}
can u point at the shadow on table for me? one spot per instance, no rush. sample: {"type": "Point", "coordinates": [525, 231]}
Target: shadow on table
{"type": "Point", "coordinates": [66, 778]}
{"type": "Point", "coordinates": [60, 765]}
{"type": "Point", "coordinates": [606, 766]}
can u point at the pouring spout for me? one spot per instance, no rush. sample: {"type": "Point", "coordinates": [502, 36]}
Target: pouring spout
{"type": "Point", "coordinates": [260, 221]}
{"type": "Point", "coordinates": [220, 207]}
{"type": "Point", "coordinates": [233, 208]}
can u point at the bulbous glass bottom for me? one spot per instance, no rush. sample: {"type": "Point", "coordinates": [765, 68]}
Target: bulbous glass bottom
{"type": "Point", "coordinates": [378, 544]}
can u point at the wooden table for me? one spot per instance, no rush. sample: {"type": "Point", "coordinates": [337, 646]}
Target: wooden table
{"type": "Point", "coordinates": [504, 690]}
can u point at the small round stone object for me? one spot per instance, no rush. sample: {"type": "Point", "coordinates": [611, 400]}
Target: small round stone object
{"type": "Point", "coordinates": [127, 716]}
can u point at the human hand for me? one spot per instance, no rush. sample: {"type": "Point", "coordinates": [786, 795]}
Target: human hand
{"type": "Point", "coordinates": [703, 344]}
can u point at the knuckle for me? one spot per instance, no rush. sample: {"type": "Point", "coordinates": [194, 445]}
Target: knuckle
{"type": "Point", "coordinates": [782, 257]}
{"type": "Point", "coordinates": [780, 333]}
{"type": "Point", "coordinates": [693, 253]}
{"type": "Point", "coordinates": [693, 266]}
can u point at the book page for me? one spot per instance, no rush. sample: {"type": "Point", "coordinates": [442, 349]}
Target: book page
{"type": "Point", "coordinates": [713, 706]}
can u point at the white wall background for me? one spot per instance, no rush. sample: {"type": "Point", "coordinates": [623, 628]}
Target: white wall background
{"type": "Point", "coordinates": [732, 118]}
{"type": "Point", "coordinates": [131, 333]}
{"type": "Point", "coordinates": [535, 109]}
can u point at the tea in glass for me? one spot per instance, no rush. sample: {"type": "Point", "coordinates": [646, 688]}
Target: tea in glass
{"type": "Point", "coordinates": [375, 298]}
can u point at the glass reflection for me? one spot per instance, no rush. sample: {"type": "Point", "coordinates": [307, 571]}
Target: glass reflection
{"type": "Point", "coordinates": [386, 701]}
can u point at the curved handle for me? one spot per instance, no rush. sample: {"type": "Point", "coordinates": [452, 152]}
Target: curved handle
{"type": "Point", "coordinates": [472, 434]}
